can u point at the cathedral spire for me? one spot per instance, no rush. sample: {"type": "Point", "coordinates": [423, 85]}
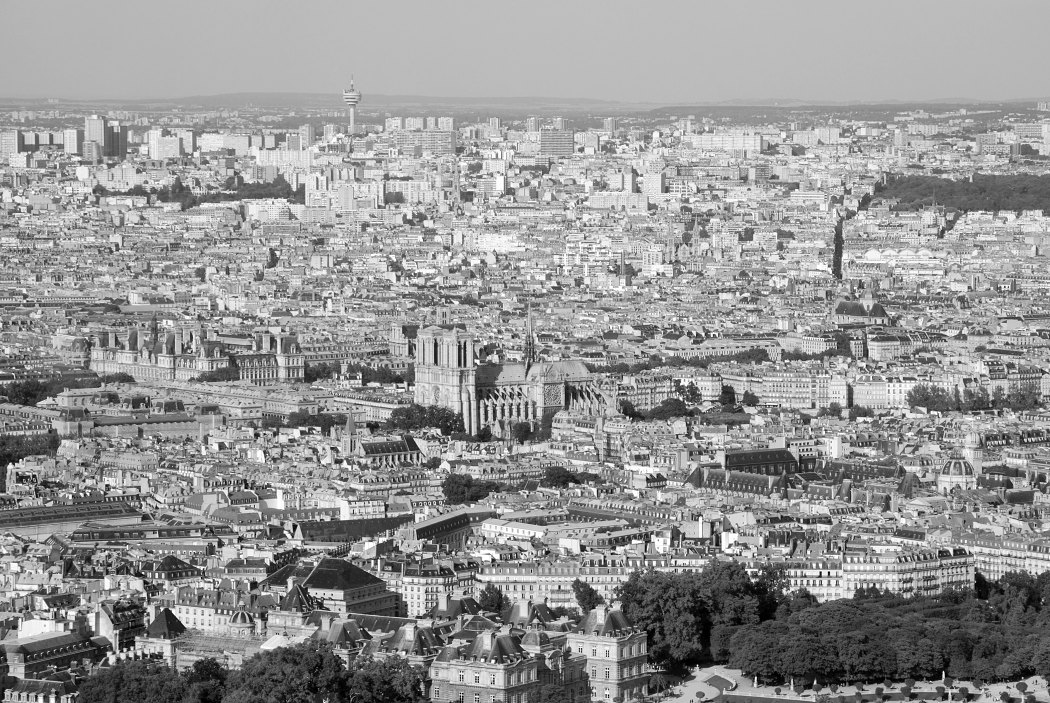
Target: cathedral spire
{"type": "Point", "coordinates": [530, 341]}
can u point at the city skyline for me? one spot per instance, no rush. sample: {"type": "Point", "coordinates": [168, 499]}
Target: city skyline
{"type": "Point", "coordinates": [673, 52]}
{"type": "Point", "coordinates": [579, 352]}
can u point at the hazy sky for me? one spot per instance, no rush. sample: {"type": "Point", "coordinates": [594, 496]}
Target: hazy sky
{"type": "Point", "coordinates": [644, 50]}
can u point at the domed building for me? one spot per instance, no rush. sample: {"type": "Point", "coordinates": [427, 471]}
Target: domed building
{"type": "Point", "coordinates": [242, 624]}
{"type": "Point", "coordinates": [956, 473]}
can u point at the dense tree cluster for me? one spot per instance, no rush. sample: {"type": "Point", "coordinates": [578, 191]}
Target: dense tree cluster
{"type": "Point", "coordinates": [669, 409]}
{"type": "Point", "coordinates": [14, 448]}
{"type": "Point", "coordinates": [521, 432]}
{"type": "Point", "coordinates": [560, 477]}
{"type": "Point", "coordinates": [836, 254]}
{"type": "Point", "coordinates": [879, 636]}
{"type": "Point", "coordinates": [416, 417]}
{"type": "Point", "coordinates": [492, 599]}
{"type": "Point", "coordinates": [984, 192]}
{"type": "Point", "coordinates": [32, 391]}
{"type": "Point", "coordinates": [936, 398]}
{"type": "Point", "coordinates": [463, 488]}
{"type": "Point", "coordinates": [319, 372]}
{"type": "Point", "coordinates": [674, 408]}
{"type": "Point", "coordinates": [325, 421]}
{"type": "Point", "coordinates": [751, 356]}
{"type": "Point", "coordinates": [324, 371]}
{"type": "Point", "coordinates": [993, 632]}
{"type": "Point", "coordinates": [690, 616]}
{"type": "Point", "coordinates": [235, 189]}
{"type": "Point", "coordinates": [305, 673]}
{"type": "Point", "coordinates": [586, 597]}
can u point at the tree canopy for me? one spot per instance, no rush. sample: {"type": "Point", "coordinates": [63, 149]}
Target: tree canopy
{"type": "Point", "coordinates": [560, 477]}
{"type": "Point", "coordinates": [749, 356]}
{"type": "Point", "coordinates": [304, 673]}
{"type": "Point", "coordinates": [993, 632]}
{"type": "Point", "coordinates": [492, 599]}
{"type": "Point", "coordinates": [235, 189]}
{"type": "Point", "coordinates": [942, 400]}
{"type": "Point", "coordinates": [416, 417]}
{"type": "Point", "coordinates": [324, 370]}
{"type": "Point", "coordinates": [586, 597]}
{"type": "Point", "coordinates": [464, 488]}
{"type": "Point", "coordinates": [985, 192]}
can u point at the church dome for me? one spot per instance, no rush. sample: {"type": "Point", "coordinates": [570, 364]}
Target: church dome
{"type": "Point", "coordinates": [242, 618]}
{"type": "Point", "coordinates": [957, 466]}
{"type": "Point", "coordinates": [535, 638]}
{"type": "Point", "coordinates": [956, 474]}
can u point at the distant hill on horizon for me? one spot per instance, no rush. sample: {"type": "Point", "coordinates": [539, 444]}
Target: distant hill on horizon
{"type": "Point", "coordinates": [373, 103]}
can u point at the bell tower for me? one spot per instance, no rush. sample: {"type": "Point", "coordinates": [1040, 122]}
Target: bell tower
{"type": "Point", "coordinates": [445, 373]}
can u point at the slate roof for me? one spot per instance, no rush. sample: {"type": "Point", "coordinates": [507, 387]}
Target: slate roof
{"type": "Point", "coordinates": [165, 626]}
{"type": "Point", "coordinates": [605, 621]}
{"type": "Point", "coordinates": [338, 575]}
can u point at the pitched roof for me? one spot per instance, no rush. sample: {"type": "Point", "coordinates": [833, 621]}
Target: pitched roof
{"type": "Point", "coordinates": [606, 621]}
{"type": "Point", "coordinates": [165, 626]}
{"type": "Point", "coordinates": [338, 575]}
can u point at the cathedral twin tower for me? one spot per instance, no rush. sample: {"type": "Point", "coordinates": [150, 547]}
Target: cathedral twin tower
{"type": "Point", "coordinates": [445, 372]}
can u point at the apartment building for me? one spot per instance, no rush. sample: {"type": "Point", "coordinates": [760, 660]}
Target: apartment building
{"type": "Point", "coordinates": [922, 572]}
{"type": "Point", "coordinates": [831, 572]}
{"type": "Point", "coordinates": [804, 389]}
{"type": "Point", "coordinates": [881, 392]}
{"type": "Point", "coordinates": [422, 584]}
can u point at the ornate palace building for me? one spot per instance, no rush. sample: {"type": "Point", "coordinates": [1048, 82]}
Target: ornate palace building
{"type": "Point", "coordinates": [264, 357]}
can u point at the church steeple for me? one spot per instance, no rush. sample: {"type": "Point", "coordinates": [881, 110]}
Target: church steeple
{"type": "Point", "coordinates": [530, 340]}
{"type": "Point", "coordinates": [349, 435]}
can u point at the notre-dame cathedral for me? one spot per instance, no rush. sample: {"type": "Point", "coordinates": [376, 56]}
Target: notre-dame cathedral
{"type": "Point", "coordinates": [496, 395]}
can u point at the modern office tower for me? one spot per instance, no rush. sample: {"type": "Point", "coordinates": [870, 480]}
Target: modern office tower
{"type": "Point", "coordinates": [163, 145]}
{"type": "Point", "coordinates": [116, 140]}
{"type": "Point", "coordinates": [153, 142]}
{"type": "Point", "coordinates": [557, 142]}
{"type": "Point", "coordinates": [609, 124]}
{"type": "Point", "coordinates": [352, 98]}
{"type": "Point", "coordinates": [445, 124]}
{"type": "Point", "coordinates": [306, 136]}
{"type": "Point", "coordinates": [92, 151]}
{"type": "Point", "coordinates": [532, 124]}
{"type": "Point", "coordinates": [95, 131]}
{"type": "Point", "coordinates": [11, 142]}
{"type": "Point", "coordinates": [559, 123]}
{"type": "Point", "coordinates": [72, 140]}
{"type": "Point", "coordinates": [189, 140]}
{"type": "Point", "coordinates": [494, 123]}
